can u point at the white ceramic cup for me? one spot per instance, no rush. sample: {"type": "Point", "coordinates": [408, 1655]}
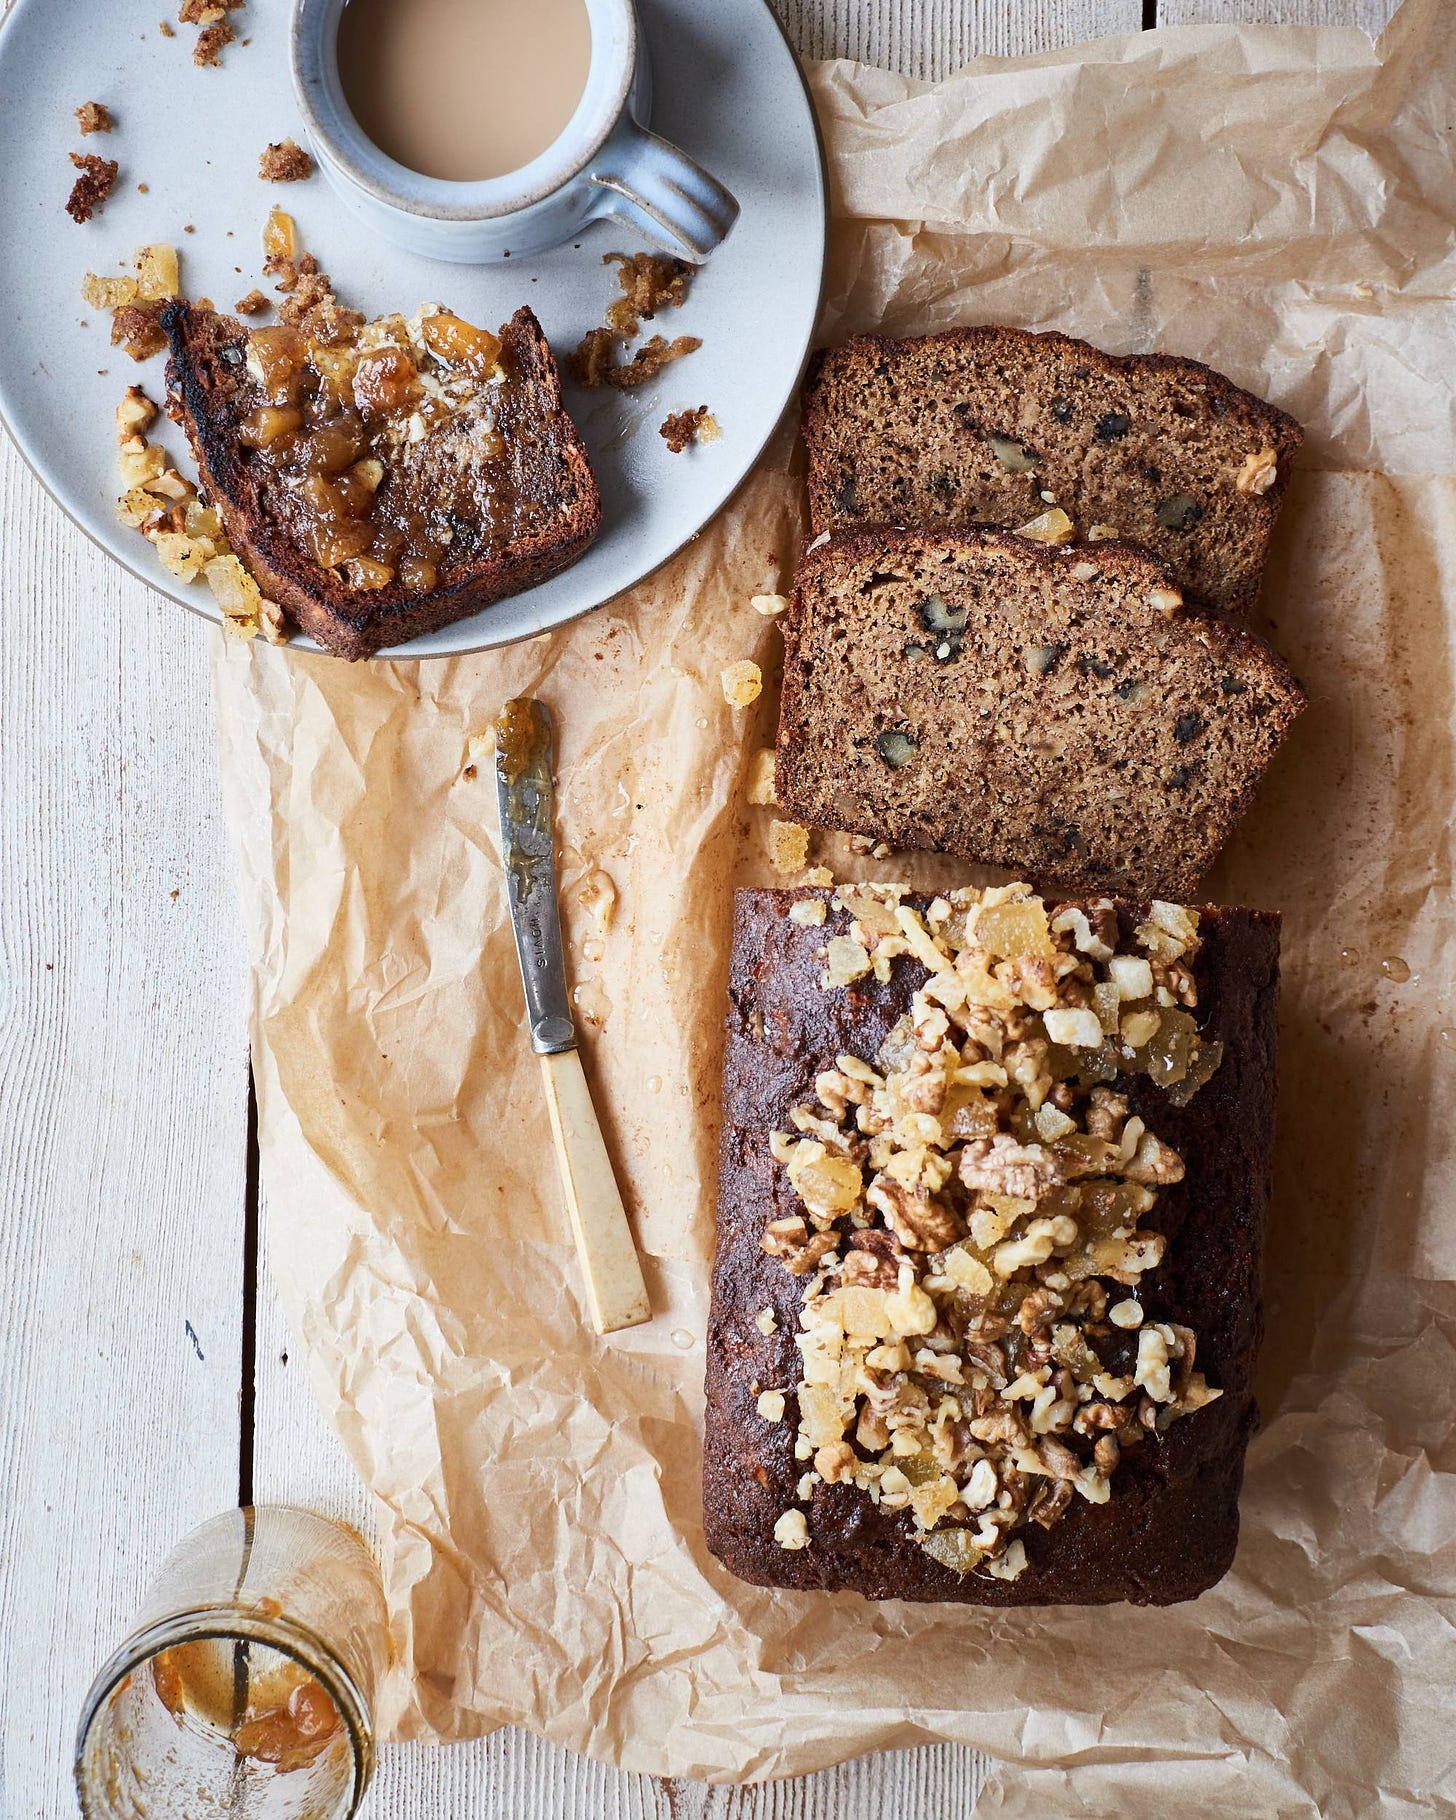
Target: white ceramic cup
{"type": "Point", "coordinates": [605, 162]}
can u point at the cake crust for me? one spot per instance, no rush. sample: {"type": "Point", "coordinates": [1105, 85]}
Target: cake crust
{"type": "Point", "coordinates": [1170, 1528]}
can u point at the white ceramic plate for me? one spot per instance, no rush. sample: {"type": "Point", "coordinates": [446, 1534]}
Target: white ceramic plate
{"type": "Point", "coordinates": [727, 90]}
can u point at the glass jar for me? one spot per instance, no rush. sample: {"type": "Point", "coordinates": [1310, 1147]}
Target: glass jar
{"type": "Point", "coordinates": [245, 1690]}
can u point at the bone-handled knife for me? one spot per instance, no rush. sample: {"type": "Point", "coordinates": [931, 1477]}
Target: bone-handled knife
{"type": "Point", "coordinates": [615, 1290]}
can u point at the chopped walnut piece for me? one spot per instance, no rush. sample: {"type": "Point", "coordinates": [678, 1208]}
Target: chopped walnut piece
{"type": "Point", "coordinates": [683, 428]}
{"type": "Point", "coordinates": [1259, 472]}
{"type": "Point", "coordinates": [769, 605]}
{"type": "Point", "coordinates": [94, 117]}
{"type": "Point", "coordinates": [792, 1530]}
{"type": "Point", "coordinates": [592, 361]}
{"type": "Point", "coordinates": [253, 304]}
{"type": "Point", "coordinates": [92, 187]}
{"type": "Point", "coordinates": [135, 415]}
{"type": "Point", "coordinates": [285, 162]}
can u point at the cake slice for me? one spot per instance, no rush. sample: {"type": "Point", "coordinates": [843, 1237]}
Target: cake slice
{"type": "Point", "coordinates": [991, 1210]}
{"type": "Point", "coordinates": [383, 480]}
{"type": "Point", "coordinates": [979, 425]}
{"type": "Point", "coordinates": [1060, 713]}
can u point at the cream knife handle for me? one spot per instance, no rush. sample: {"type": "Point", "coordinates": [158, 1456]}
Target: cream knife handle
{"type": "Point", "coordinates": [614, 1286]}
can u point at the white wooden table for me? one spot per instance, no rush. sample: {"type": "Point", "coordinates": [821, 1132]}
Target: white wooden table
{"type": "Point", "coordinates": [145, 1379]}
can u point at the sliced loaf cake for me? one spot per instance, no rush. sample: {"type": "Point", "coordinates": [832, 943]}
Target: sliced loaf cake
{"type": "Point", "coordinates": [1057, 712]}
{"type": "Point", "coordinates": [980, 425]}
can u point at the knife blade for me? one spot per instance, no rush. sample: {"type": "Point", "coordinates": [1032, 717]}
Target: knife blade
{"type": "Point", "coordinates": [526, 798]}
{"type": "Point", "coordinates": [616, 1293]}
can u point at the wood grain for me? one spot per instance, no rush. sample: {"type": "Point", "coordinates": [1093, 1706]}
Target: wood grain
{"type": "Point", "coordinates": [123, 1082]}
{"type": "Point", "coordinates": [1371, 15]}
{"type": "Point", "coordinates": [930, 38]}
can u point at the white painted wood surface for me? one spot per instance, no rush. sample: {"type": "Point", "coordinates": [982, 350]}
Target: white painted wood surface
{"type": "Point", "coordinates": [123, 1097]}
{"type": "Point", "coordinates": [123, 1104]}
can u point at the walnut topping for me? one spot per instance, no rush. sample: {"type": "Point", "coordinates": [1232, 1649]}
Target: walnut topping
{"type": "Point", "coordinates": [965, 1198]}
{"type": "Point", "coordinates": [1259, 472]}
{"type": "Point", "coordinates": [770, 605]}
{"type": "Point", "coordinates": [792, 1530]}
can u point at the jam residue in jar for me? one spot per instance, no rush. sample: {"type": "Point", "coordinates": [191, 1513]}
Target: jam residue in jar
{"type": "Point", "coordinates": [280, 1716]}
{"type": "Point", "coordinates": [384, 445]}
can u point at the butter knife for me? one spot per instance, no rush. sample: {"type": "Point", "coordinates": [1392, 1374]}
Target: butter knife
{"type": "Point", "coordinates": [616, 1293]}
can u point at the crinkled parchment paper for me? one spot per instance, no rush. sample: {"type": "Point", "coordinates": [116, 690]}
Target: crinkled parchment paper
{"type": "Point", "coordinates": [1280, 203]}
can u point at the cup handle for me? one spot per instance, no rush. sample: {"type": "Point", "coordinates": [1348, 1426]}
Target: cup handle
{"type": "Point", "coordinates": [659, 190]}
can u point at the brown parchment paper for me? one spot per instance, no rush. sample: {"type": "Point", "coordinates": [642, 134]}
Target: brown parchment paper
{"type": "Point", "coordinates": [1282, 204]}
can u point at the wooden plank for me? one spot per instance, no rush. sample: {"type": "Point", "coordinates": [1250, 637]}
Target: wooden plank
{"type": "Point", "coordinates": [123, 1084]}
{"type": "Point", "coordinates": [1371, 15]}
{"type": "Point", "coordinates": [930, 38]}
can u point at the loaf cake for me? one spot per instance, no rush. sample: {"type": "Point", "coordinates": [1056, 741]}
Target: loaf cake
{"type": "Point", "coordinates": [992, 425]}
{"type": "Point", "coordinates": [383, 479]}
{"type": "Point", "coordinates": [994, 1178]}
{"type": "Point", "coordinates": [1058, 712]}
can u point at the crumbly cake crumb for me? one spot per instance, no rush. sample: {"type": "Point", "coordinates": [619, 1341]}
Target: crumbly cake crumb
{"type": "Point", "coordinates": [92, 187]}
{"type": "Point", "coordinates": [94, 117]}
{"type": "Point", "coordinates": [137, 328]}
{"type": "Point", "coordinates": [593, 363]}
{"type": "Point", "coordinates": [650, 282]}
{"type": "Point", "coordinates": [253, 304]}
{"type": "Point", "coordinates": [285, 162]}
{"type": "Point", "coordinates": [211, 42]}
{"type": "Point", "coordinates": [682, 428]}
